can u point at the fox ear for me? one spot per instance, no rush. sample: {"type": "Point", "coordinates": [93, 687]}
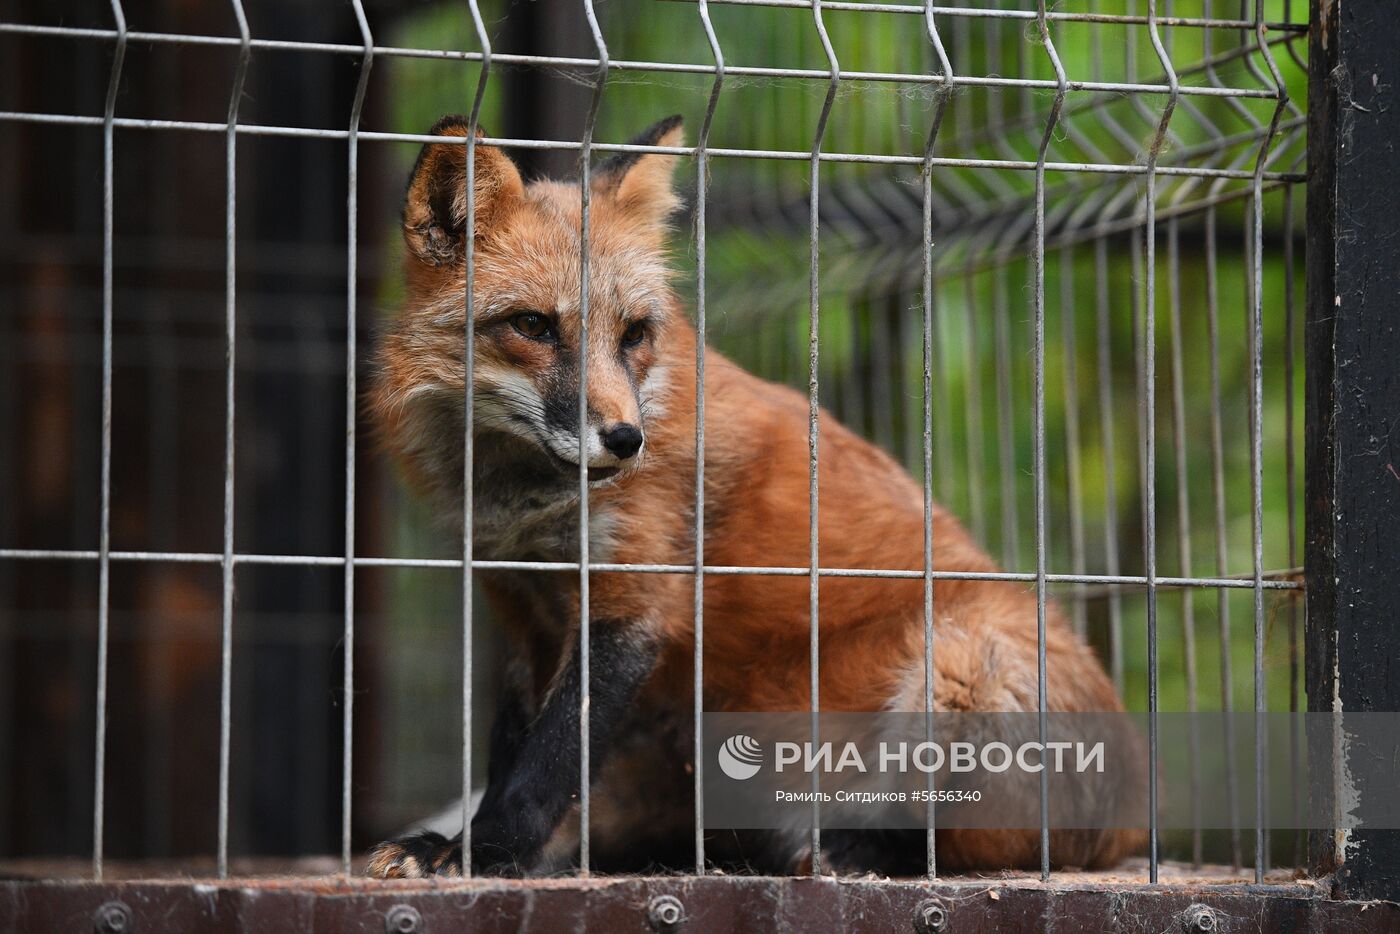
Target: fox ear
{"type": "Point", "coordinates": [435, 209]}
{"type": "Point", "coordinates": [640, 183]}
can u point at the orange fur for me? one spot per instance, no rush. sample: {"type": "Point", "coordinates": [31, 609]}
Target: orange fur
{"type": "Point", "coordinates": [756, 491]}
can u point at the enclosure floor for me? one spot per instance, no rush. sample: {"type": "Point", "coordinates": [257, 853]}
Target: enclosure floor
{"type": "Point", "coordinates": [326, 868]}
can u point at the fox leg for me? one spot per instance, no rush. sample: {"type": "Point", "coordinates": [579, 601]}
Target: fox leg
{"type": "Point", "coordinates": [514, 711]}
{"type": "Point", "coordinates": [527, 798]}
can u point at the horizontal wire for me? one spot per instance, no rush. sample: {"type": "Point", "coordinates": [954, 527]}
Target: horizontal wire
{"type": "Point", "coordinates": [1186, 22]}
{"type": "Point", "coordinates": [1275, 580]}
{"type": "Point", "coordinates": [779, 154]}
{"type": "Point", "coordinates": [584, 64]}
{"type": "Point", "coordinates": [1024, 15]}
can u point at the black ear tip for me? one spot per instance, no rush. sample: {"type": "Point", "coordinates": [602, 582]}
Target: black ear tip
{"type": "Point", "coordinates": [652, 134]}
{"type": "Point", "coordinates": [450, 122]}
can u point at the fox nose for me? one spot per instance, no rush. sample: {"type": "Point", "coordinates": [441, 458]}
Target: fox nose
{"type": "Point", "coordinates": [622, 440]}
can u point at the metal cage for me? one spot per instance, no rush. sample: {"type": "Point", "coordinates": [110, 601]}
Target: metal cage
{"type": "Point", "coordinates": [994, 268]}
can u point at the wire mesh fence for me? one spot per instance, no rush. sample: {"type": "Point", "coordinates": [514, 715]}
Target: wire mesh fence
{"type": "Point", "coordinates": [996, 218]}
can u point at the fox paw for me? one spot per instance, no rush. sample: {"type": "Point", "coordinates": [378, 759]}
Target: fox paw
{"type": "Point", "coordinates": [419, 856]}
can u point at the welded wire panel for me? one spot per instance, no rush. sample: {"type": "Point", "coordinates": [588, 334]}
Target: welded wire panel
{"type": "Point", "coordinates": [879, 207]}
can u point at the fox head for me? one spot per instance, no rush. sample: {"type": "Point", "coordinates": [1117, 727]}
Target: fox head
{"type": "Point", "coordinates": [527, 326]}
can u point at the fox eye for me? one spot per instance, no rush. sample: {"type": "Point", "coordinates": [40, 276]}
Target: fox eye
{"type": "Point", "coordinates": [532, 324]}
{"type": "Point", "coordinates": [634, 334]}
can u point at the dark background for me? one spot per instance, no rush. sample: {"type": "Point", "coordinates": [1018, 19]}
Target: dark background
{"type": "Point", "coordinates": [167, 428]}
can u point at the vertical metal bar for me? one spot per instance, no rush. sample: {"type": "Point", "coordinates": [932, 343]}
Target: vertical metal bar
{"type": "Point", "coordinates": [943, 448]}
{"type": "Point", "coordinates": [1110, 516]}
{"type": "Point", "coordinates": [850, 392]}
{"type": "Point", "coordinates": [940, 105]}
{"type": "Point", "coordinates": [1261, 848]}
{"type": "Point", "coordinates": [1135, 249]}
{"type": "Point", "coordinates": [585, 165]}
{"type": "Point", "coordinates": [104, 528]}
{"type": "Point", "coordinates": [887, 375]}
{"type": "Point", "coordinates": [469, 430]}
{"type": "Point", "coordinates": [9, 590]}
{"type": "Point", "coordinates": [1038, 423]}
{"type": "Point", "coordinates": [1073, 467]}
{"type": "Point", "coordinates": [972, 407]}
{"type": "Point", "coordinates": [1006, 434]}
{"type": "Point", "coordinates": [1222, 595]}
{"type": "Point", "coordinates": [702, 181]}
{"type": "Point", "coordinates": [814, 316]}
{"type": "Point", "coordinates": [903, 338]}
{"type": "Point", "coordinates": [1256, 446]}
{"type": "Point", "coordinates": [352, 218]}
{"type": "Point", "coordinates": [1183, 522]}
{"type": "Point", "coordinates": [1149, 428]}
{"type": "Point", "coordinates": [230, 345]}
{"type": "Point", "coordinates": [10, 380]}
{"type": "Point", "coordinates": [1291, 492]}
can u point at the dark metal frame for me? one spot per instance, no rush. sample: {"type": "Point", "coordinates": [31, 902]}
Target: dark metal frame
{"type": "Point", "coordinates": [691, 904]}
{"type": "Point", "coordinates": [1353, 398]}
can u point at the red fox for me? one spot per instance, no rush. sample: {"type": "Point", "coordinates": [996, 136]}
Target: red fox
{"type": "Point", "coordinates": [641, 404]}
